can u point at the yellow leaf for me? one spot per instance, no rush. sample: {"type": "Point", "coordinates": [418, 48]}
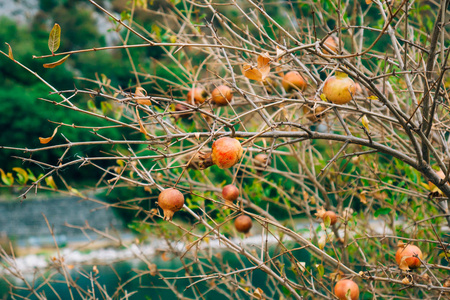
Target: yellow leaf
{"type": "Point", "coordinates": [372, 97]}
{"type": "Point", "coordinates": [10, 54]}
{"type": "Point", "coordinates": [368, 1]}
{"type": "Point", "coordinates": [142, 93]}
{"type": "Point", "coordinates": [405, 280]}
{"type": "Point", "coordinates": [323, 97]}
{"type": "Point", "coordinates": [22, 175]}
{"type": "Point", "coordinates": [56, 63]}
{"type": "Point", "coordinates": [46, 140]}
{"type": "Point", "coordinates": [75, 191]}
{"type": "Point", "coordinates": [51, 182]}
{"type": "Point", "coordinates": [425, 185]}
{"type": "Point", "coordinates": [7, 179]}
{"type": "Point", "coordinates": [365, 122]}
{"type": "Point", "coordinates": [54, 38]}
{"type": "Point", "coordinates": [322, 242]}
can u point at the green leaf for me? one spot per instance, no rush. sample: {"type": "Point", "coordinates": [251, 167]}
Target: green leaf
{"type": "Point", "coordinates": [321, 270]}
{"type": "Point", "coordinates": [327, 221]}
{"type": "Point", "coordinates": [382, 211]}
{"type": "Point", "coordinates": [31, 175]}
{"type": "Point", "coordinates": [55, 38]}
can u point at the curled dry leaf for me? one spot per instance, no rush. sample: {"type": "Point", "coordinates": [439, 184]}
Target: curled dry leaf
{"type": "Point", "coordinates": [56, 63]}
{"type": "Point", "coordinates": [10, 54]}
{"type": "Point", "coordinates": [258, 293]}
{"type": "Point", "coordinates": [406, 280]}
{"type": "Point", "coordinates": [261, 71]}
{"type": "Point", "coordinates": [404, 264]}
{"type": "Point", "coordinates": [362, 197]}
{"type": "Point", "coordinates": [142, 93]}
{"type": "Point", "coordinates": [46, 140]}
{"type": "Point", "coordinates": [141, 124]}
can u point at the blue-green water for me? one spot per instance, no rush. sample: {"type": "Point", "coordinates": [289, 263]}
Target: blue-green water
{"type": "Point", "coordinates": [110, 277]}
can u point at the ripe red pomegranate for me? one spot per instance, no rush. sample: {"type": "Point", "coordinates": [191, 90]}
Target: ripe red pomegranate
{"type": "Point", "coordinates": [293, 79]}
{"type": "Point", "coordinates": [339, 89]}
{"type": "Point", "coordinates": [243, 223]}
{"type": "Point", "coordinates": [197, 95]}
{"type": "Point", "coordinates": [406, 253]}
{"type": "Point", "coordinates": [170, 200]}
{"type": "Point", "coordinates": [230, 193]}
{"type": "Point", "coordinates": [222, 95]}
{"type": "Point", "coordinates": [331, 42]}
{"type": "Point", "coordinates": [226, 152]}
{"type": "Point", "coordinates": [343, 286]}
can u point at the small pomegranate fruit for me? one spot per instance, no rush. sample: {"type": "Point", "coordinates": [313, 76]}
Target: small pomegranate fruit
{"type": "Point", "coordinates": [197, 95]}
{"type": "Point", "coordinates": [222, 95]}
{"type": "Point", "coordinates": [405, 256]}
{"type": "Point", "coordinates": [293, 80]}
{"type": "Point", "coordinates": [226, 152]}
{"type": "Point", "coordinates": [332, 215]}
{"type": "Point", "coordinates": [314, 113]}
{"type": "Point", "coordinates": [342, 287]}
{"type": "Point", "coordinates": [331, 42]}
{"type": "Point", "coordinates": [261, 160]}
{"type": "Point", "coordinates": [170, 200]}
{"type": "Point", "coordinates": [323, 214]}
{"type": "Point", "coordinates": [230, 193]}
{"type": "Point", "coordinates": [339, 89]}
{"type": "Point", "coordinates": [182, 109]}
{"type": "Point", "coordinates": [243, 223]}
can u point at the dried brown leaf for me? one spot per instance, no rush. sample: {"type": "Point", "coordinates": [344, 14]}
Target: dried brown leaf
{"type": "Point", "coordinates": [46, 140]}
{"type": "Point", "coordinates": [261, 71]}
{"type": "Point", "coordinates": [56, 63]}
{"type": "Point", "coordinates": [141, 124]}
{"type": "Point", "coordinates": [141, 93]}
